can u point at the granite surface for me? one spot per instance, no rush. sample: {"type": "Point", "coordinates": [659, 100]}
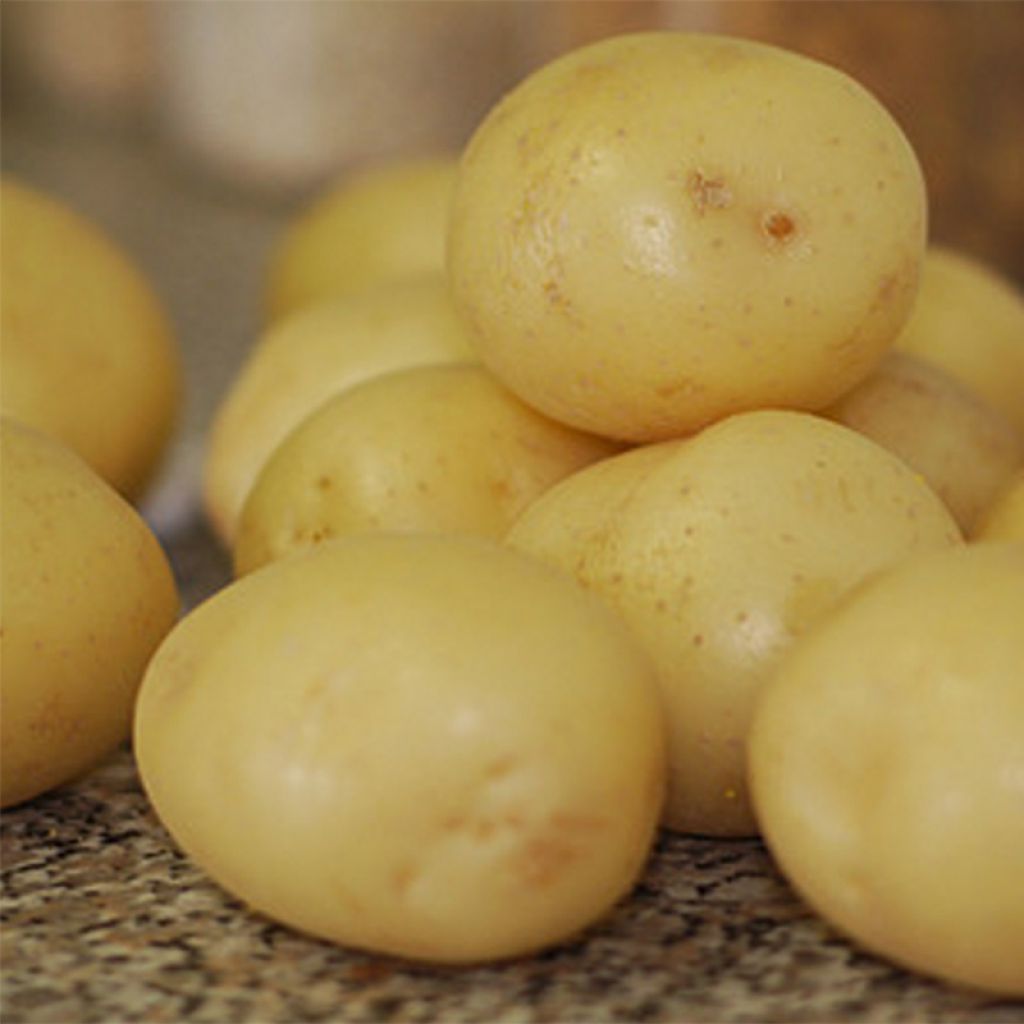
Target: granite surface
{"type": "Point", "coordinates": [103, 920]}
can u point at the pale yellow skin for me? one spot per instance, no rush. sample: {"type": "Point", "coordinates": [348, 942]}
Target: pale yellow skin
{"type": "Point", "coordinates": [963, 447]}
{"type": "Point", "coordinates": [423, 746]}
{"type": "Point", "coordinates": [719, 551]}
{"type": "Point", "coordinates": [969, 319]}
{"type": "Point", "coordinates": [430, 449]}
{"type": "Point", "coordinates": [385, 221]}
{"type": "Point", "coordinates": [1003, 520]}
{"type": "Point", "coordinates": [660, 229]}
{"type": "Point", "coordinates": [886, 764]}
{"type": "Point", "coordinates": [309, 356]}
{"type": "Point", "coordinates": [87, 596]}
{"type": "Point", "coordinates": [87, 352]}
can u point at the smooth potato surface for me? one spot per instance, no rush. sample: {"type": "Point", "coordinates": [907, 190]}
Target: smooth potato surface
{"type": "Point", "coordinates": [88, 352]}
{"type": "Point", "coordinates": [383, 222]}
{"type": "Point", "coordinates": [963, 447]}
{"type": "Point", "coordinates": [305, 358]}
{"type": "Point", "coordinates": [423, 746]}
{"type": "Point", "coordinates": [87, 596]}
{"type": "Point", "coordinates": [430, 449]}
{"type": "Point", "coordinates": [969, 320]}
{"type": "Point", "coordinates": [886, 764]}
{"type": "Point", "coordinates": [719, 551]}
{"type": "Point", "coordinates": [660, 229]}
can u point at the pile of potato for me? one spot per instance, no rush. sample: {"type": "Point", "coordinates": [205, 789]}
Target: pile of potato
{"type": "Point", "coordinates": [642, 468]}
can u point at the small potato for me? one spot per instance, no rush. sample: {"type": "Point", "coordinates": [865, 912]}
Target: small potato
{"type": "Point", "coordinates": [660, 229]}
{"type": "Point", "coordinates": [964, 448]}
{"type": "Point", "coordinates": [886, 764]}
{"type": "Point", "coordinates": [718, 551]}
{"type": "Point", "coordinates": [431, 449]}
{"type": "Point", "coordinates": [88, 353]}
{"type": "Point", "coordinates": [1004, 517]}
{"type": "Point", "coordinates": [386, 221]}
{"type": "Point", "coordinates": [423, 746]}
{"type": "Point", "coordinates": [969, 320]}
{"type": "Point", "coordinates": [87, 596]}
{"type": "Point", "coordinates": [309, 356]}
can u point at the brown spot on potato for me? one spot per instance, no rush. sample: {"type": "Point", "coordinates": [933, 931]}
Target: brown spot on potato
{"type": "Point", "coordinates": [708, 193]}
{"type": "Point", "coordinates": [778, 226]}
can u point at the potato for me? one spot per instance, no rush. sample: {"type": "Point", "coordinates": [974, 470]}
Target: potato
{"type": "Point", "coordinates": [1003, 519]}
{"type": "Point", "coordinates": [424, 746]}
{"type": "Point", "coordinates": [87, 596]}
{"type": "Point", "coordinates": [88, 353]}
{"type": "Point", "coordinates": [430, 449]}
{"type": "Point", "coordinates": [886, 759]}
{"type": "Point", "coordinates": [964, 448]}
{"type": "Point", "coordinates": [659, 229]}
{"type": "Point", "coordinates": [718, 551]}
{"type": "Point", "coordinates": [385, 221]}
{"type": "Point", "coordinates": [969, 320]}
{"type": "Point", "coordinates": [308, 356]}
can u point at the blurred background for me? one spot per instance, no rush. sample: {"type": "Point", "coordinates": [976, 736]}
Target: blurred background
{"type": "Point", "coordinates": [194, 131]}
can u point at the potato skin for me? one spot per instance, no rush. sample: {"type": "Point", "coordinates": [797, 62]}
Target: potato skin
{"type": "Point", "coordinates": [886, 759]}
{"type": "Point", "coordinates": [719, 550]}
{"type": "Point", "coordinates": [968, 319]}
{"type": "Point", "coordinates": [428, 449]}
{"type": "Point", "coordinates": [384, 222]}
{"type": "Point", "coordinates": [660, 229]}
{"type": "Point", "coordinates": [89, 354]}
{"type": "Point", "coordinates": [430, 747]}
{"type": "Point", "coordinates": [303, 359]}
{"type": "Point", "coordinates": [88, 595]}
{"type": "Point", "coordinates": [964, 448]}
{"type": "Point", "coordinates": [1003, 519]}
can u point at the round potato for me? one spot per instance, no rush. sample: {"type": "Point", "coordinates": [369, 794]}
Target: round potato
{"type": "Point", "coordinates": [969, 320]}
{"type": "Point", "coordinates": [963, 447]}
{"type": "Point", "coordinates": [307, 357]}
{"type": "Point", "coordinates": [430, 449]}
{"type": "Point", "coordinates": [423, 746]}
{"type": "Point", "coordinates": [1004, 517]}
{"type": "Point", "coordinates": [886, 760]}
{"type": "Point", "coordinates": [88, 352]}
{"type": "Point", "coordinates": [87, 596]}
{"type": "Point", "coordinates": [385, 221]}
{"type": "Point", "coordinates": [718, 551]}
{"type": "Point", "coordinates": [660, 229]}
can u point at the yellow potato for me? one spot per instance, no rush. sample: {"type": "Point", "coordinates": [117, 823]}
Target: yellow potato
{"type": "Point", "coordinates": [886, 761]}
{"type": "Point", "coordinates": [307, 357]}
{"type": "Point", "coordinates": [1003, 519]}
{"type": "Point", "coordinates": [719, 550]}
{"type": "Point", "coordinates": [424, 746]}
{"type": "Point", "coordinates": [385, 221]}
{"type": "Point", "coordinates": [964, 448]}
{"type": "Point", "coordinates": [430, 449]}
{"type": "Point", "coordinates": [87, 596]}
{"type": "Point", "coordinates": [969, 320]}
{"type": "Point", "coordinates": [88, 355]}
{"type": "Point", "coordinates": [660, 229]}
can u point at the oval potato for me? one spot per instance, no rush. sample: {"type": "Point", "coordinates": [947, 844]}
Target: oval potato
{"type": "Point", "coordinates": [719, 551]}
{"type": "Point", "coordinates": [660, 229]}
{"type": "Point", "coordinates": [424, 746]}
{"type": "Point", "coordinates": [385, 221]}
{"type": "Point", "coordinates": [87, 596]}
{"type": "Point", "coordinates": [88, 355]}
{"type": "Point", "coordinates": [886, 760]}
{"type": "Point", "coordinates": [969, 320]}
{"type": "Point", "coordinates": [429, 449]}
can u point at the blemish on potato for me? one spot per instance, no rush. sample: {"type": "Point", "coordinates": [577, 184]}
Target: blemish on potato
{"type": "Point", "coordinates": [779, 227]}
{"type": "Point", "coordinates": [708, 193]}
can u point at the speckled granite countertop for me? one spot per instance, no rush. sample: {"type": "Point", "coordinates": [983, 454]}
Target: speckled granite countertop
{"type": "Point", "coordinates": [104, 921]}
